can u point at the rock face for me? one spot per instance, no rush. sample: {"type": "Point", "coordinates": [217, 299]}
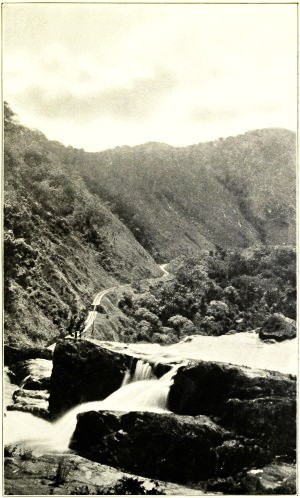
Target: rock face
{"type": "Point", "coordinates": [83, 372]}
{"type": "Point", "coordinates": [254, 403]}
{"type": "Point", "coordinates": [163, 446]}
{"type": "Point", "coordinates": [270, 421]}
{"type": "Point", "coordinates": [278, 327]}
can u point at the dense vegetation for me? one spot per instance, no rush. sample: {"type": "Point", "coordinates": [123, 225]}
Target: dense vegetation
{"type": "Point", "coordinates": [235, 192]}
{"type": "Point", "coordinates": [77, 222]}
{"type": "Point", "coordinates": [218, 292]}
{"type": "Point", "coordinates": [62, 243]}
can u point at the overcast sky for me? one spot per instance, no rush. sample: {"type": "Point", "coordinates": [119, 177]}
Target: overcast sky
{"type": "Point", "coordinates": [97, 76]}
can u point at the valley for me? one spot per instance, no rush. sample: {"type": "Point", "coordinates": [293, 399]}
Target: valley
{"type": "Point", "coordinates": [150, 316]}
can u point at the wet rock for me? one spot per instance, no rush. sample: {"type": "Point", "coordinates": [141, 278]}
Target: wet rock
{"type": "Point", "coordinates": [271, 421]}
{"type": "Point", "coordinates": [82, 372]}
{"type": "Point", "coordinates": [257, 404]}
{"type": "Point", "coordinates": [34, 402]}
{"type": "Point", "coordinates": [236, 455]}
{"type": "Point", "coordinates": [15, 355]}
{"type": "Point", "coordinates": [32, 374]}
{"type": "Point", "coordinates": [278, 327]}
{"type": "Point", "coordinates": [26, 473]}
{"type": "Point", "coordinates": [164, 446]}
{"type": "Point", "coordinates": [204, 387]}
{"type": "Point", "coordinates": [277, 478]}
{"type": "Point", "coordinates": [222, 485]}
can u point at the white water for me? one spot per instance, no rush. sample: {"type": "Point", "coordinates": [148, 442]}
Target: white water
{"type": "Point", "coordinates": [243, 349]}
{"type": "Point", "coordinates": [142, 392]}
{"type": "Point", "coordinates": [142, 371]}
{"type": "Point", "coordinates": [142, 395]}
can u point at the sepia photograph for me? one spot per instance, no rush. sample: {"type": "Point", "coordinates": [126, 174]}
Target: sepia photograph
{"type": "Point", "coordinates": [149, 248]}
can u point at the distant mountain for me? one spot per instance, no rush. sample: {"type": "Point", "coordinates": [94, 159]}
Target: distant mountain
{"type": "Point", "coordinates": [77, 222]}
{"type": "Point", "coordinates": [238, 191]}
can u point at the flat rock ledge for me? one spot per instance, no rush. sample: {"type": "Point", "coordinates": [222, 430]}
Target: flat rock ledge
{"type": "Point", "coordinates": [67, 474]}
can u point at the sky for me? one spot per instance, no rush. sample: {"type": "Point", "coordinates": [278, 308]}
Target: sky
{"type": "Point", "coordinates": [97, 76]}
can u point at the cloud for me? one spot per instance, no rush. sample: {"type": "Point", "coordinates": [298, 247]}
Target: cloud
{"type": "Point", "coordinates": [136, 101]}
{"type": "Point", "coordinates": [172, 73]}
{"type": "Point", "coordinates": [206, 114]}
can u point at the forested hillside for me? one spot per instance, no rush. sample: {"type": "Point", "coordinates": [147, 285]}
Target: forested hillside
{"type": "Point", "coordinates": [78, 222]}
{"type": "Point", "coordinates": [62, 243]}
{"type": "Point", "coordinates": [216, 293]}
{"type": "Point", "coordinates": [239, 191]}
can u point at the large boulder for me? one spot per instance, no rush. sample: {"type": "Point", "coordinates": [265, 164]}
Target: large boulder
{"type": "Point", "coordinates": [163, 446]}
{"type": "Point", "coordinates": [259, 404]}
{"type": "Point", "coordinates": [204, 387]}
{"type": "Point", "coordinates": [278, 327]}
{"type": "Point", "coordinates": [83, 372]}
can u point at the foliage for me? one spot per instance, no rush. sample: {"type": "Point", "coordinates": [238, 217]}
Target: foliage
{"type": "Point", "coordinates": [132, 486]}
{"type": "Point", "coordinates": [62, 243]}
{"type": "Point", "coordinates": [67, 214]}
{"type": "Point", "coordinates": [218, 292]}
{"type": "Point", "coordinates": [62, 471]}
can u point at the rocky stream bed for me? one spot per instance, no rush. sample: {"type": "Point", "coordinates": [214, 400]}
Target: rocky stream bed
{"type": "Point", "coordinates": [204, 426]}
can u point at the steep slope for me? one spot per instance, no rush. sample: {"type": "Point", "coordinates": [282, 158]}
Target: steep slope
{"type": "Point", "coordinates": [62, 244]}
{"type": "Point", "coordinates": [78, 222]}
{"type": "Point", "coordinates": [234, 192]}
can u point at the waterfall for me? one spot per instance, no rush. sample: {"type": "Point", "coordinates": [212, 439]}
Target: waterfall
{"type": "Point", "coordinates": [143, 371]}
{"type": "Point", "coordinates": [145, 394]}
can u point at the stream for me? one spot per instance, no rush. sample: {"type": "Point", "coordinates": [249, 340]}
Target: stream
{"type": "Point", "coordinates": [141, 390]}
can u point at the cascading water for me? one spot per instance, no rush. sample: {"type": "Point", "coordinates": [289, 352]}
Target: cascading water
{"type": "Point", "coordinates": [143, 371]}
{"type": "Point", "coordinates": [145, 394]}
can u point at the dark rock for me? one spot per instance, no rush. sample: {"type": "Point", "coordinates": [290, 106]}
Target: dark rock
{"type": "Point", "coordinates": [275, 479]}
{"type": "Point", "coordinates": [271, 421]}
{"type": "Point", "coordinates": [258, 404]}
{"type": "Point", "coordinates": [236, 455]}
{"type": "Point", "coordinates": [33, 374]}
{"type": "Point", "coordinates": [34, 402]}
{"type": "Point", "coordinates": [278, 327]}
{"type": "Point", "coordinates": [163, 446]}
{"type": "Point", "coordinates": [84, 372]}
{"type": "Point", "coordinates": [14, 355]}
{"type": "Point", "coordinates": [205, 387]}
{"type": "Point", "coordinates": [221, 485]}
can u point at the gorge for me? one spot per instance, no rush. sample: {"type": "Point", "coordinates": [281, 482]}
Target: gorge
{"type": "Point", "coordinates": [150, 337]}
